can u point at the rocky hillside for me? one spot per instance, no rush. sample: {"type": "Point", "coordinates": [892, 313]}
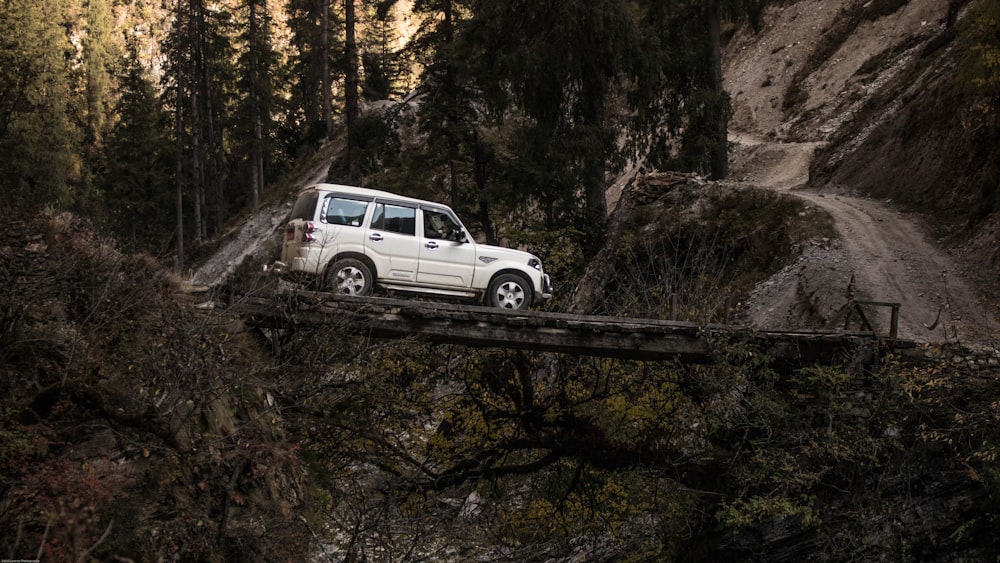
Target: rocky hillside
{"type": "Point", "coordinates": [853, 107]}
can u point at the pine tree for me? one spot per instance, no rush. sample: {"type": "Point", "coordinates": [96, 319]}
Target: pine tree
{"type": "Point", "coordinates": [557, 64]}
{"type": "Point", "coordinates": [448, 114]}
{"type": "Point", "coordinates": [681, 110]}
{"type": "Point", "coordinates": [39, 141]}
{"type": "Point", "coordinates": [98, 56]}
{"type": "Point", "coordinates": [137, 182]}
{"type": "Point", "coordinates": [442, 115]}
{"type": "Point", "coordinates": [380, 59]}
{"type": "Point", "coordinates": [310, 23]}
{"type": "Point", "coordinates": [260, 71]}
{"type": "Point", "coordinates": [201, 58]}
{"type": "Point", "coordinates": [255, 78]}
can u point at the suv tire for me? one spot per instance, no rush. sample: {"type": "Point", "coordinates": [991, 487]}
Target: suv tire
{"type": "Point", "coordinates": [509, 291]}
{"type": "Point", "coordinates": [349, 276]}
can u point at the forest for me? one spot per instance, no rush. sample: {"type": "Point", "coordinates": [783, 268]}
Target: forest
{"type": "Point", "coordinates": [162, 120]}
{"type": "Point", "coordinates": [141, 423]}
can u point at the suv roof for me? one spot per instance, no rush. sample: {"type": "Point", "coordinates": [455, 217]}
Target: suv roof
{"type": "Point", "coordinates": [370, 193]}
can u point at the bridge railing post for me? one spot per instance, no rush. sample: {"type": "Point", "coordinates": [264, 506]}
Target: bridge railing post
{"type": "Point", "coordinates": [894, 322]}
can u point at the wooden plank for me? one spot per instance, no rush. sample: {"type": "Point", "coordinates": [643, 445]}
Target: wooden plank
{"type": "Point", "coordinates": [645, 339]}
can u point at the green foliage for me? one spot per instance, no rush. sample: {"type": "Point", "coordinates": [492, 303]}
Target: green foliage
{"type": "Point", "coordinates": [98, 58]}
{"type": "Point", "coordinates": [557, 64]}
{"type": "Point", "coordinates": [542, 455]}
{"type": "Point", "coordinates": [375, 141]}
{"type": "Point", "coordinates": [168, 418]}
{"type": "Point", "coordinates": [38, 138]}
{"type": "Point", "coordinates": [755, 510]}
{"type": "Point", "coordinates": [802, 434]}
{"type": "Point", "coordinates": [980, 38]}
{"type": "Point", "coordinates": [258, 103]}
{"type": "Point", "coordinates": [306, 70]}
{"type": "Point", "coordinates": [136, 183]}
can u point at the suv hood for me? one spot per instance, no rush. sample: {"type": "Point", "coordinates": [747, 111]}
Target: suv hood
{"type": "Point", "coordinates": [499, 252]}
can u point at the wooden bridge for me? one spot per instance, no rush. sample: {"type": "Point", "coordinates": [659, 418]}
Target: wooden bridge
{"type": "Point", "coordinates": [616, 337]}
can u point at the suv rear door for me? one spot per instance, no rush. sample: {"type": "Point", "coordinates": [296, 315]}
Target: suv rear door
{"type": "Point", "coordinates": [343, 217]}
{"type": "Point", "coordinates": [392, 242]}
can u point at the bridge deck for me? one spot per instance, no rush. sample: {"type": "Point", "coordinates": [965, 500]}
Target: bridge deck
{"type": "Point", "coordinates": [618, 337]}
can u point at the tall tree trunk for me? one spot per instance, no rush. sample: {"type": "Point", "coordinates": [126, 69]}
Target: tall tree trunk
{"type": "Point", "coordinates": [256, 158]}
{"type": "Point", "coordinates": [719, 113]}
{"type": "Point", "coordinates": [212, 151]}
{"type": "Point", "coordinates": [589, 292]}
{"type": "Point", "coordinates": [351, 89]}
{"type": "Point", "coordinates": [96, 60]}
{"type": "Point", "coordinates": [197, 164]}
{"type": "Point", "coordinates": [594, 114]}
{"type": "Point", "coordinates": [179, 176]}
{"type": "Point", "coordinates": [451, 92]}
{"type": "Point", "coordinates": [481, 164]}
{"type": "Point", "coordinates": [325, 79]}
{"type": "Point", "coordinates": [197, 170]}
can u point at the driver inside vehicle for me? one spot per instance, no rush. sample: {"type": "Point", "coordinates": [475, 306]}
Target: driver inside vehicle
{"type": "Point", "coordinates": [440, 226]}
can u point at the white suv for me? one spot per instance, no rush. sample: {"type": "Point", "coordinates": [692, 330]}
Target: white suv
{"type": "Point", "coordinates": [357, 238]}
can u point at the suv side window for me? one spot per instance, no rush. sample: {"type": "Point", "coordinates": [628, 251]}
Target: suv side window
{"type": "Point", "coordinates": [342, 211]}
{"type": "Point", "coordinates": [395, 218]}
{"type": "Point", "coordinates": [439, 225]}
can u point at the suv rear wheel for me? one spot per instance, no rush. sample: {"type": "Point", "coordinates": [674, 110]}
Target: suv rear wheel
{"type": "Point", "coordinates": [349, 276]}
{"type": "Point", "coordinates": [509, 291]}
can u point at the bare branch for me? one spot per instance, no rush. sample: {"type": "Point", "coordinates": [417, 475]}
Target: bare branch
{"type": "Point", "coordinates": [100, 540]}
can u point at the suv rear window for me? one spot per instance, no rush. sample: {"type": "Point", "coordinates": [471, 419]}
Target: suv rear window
{"type": "Point", "coordinates": [305, 207]}
{"type": "Point", "coordinates": [341, 211]}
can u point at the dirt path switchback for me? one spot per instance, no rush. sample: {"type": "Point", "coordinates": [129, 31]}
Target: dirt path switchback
{"type": "Point", "coordinates": [880, 255]}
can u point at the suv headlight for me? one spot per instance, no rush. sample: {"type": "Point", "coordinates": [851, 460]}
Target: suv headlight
{"type": "Point", "coordinates": [535, 263]}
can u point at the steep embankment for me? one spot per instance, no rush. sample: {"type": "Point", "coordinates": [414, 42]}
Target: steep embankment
{"type": "Point", "coordinates": [130, 416]}
{"type": "Point", "coordinates": [796, 94]}
{"type": "Point", "coordinates": [250, 239]}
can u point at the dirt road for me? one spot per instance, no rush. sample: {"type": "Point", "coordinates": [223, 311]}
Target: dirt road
{"type": "Point", "coordinates": [880, 255]}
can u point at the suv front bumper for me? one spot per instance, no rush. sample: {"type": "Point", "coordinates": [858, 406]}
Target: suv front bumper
{"type": "Point", "coordinates": [546, 287]}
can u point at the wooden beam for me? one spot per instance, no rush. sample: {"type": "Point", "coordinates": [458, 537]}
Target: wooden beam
{"type": "Point", "coordinates": [617, 337]}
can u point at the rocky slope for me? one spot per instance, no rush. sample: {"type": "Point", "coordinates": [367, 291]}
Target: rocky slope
{"type": "Point", "coordinates": [827, 99]}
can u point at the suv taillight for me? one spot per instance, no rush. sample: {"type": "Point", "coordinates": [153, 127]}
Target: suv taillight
{"type": "Point", "coordinates": [307, 232]}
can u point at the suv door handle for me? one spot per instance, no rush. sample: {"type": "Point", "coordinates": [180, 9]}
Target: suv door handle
{"type": "Point", "coordinates": [377, 237]}
{"type": "Point", "coordinates": [431, 245]}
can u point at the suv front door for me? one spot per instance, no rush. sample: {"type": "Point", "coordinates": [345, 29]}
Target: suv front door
{"type": "Point", "coordinates": [447, 257]}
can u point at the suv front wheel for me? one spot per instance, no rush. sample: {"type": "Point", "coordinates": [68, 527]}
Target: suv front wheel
{"type": "Point", "coordinates": [509, 291]}
{"type": "Point", "coordinates": [349, 276]}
